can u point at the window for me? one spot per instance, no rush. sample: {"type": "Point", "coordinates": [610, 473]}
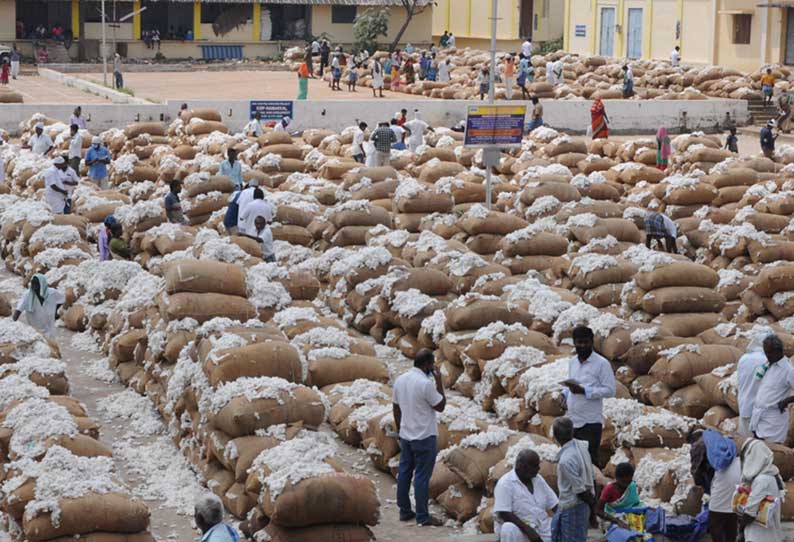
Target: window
{"type": "Point", "coordinates": [742, 23]}
{"type": "Point", "coordinates": [343, 14]}
{"type": "Point", "coordinates": [210, 12]}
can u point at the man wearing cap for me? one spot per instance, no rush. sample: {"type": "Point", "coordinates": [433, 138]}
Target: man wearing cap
{"type": "Point", "coordinates": [57, 184]}
{"type": "Point", "coordinates": [282, 126]}
{"type": "Point", "coordinates": [40, 143]}
{"type": "Point", "coordinates": [75, 147]}
{"type": "Point", "coordinates": [768, 139]}
{"type": "Point", "coordinates": [97, 159]}
{"type": "Point", "coordinates": [254, 126]}
{"type": "Point", "coordinates": [416, 128]}
{"type": "Point", "coordinates": [246, 197]}
{"type": "Point", "coordinates": [258, 206]}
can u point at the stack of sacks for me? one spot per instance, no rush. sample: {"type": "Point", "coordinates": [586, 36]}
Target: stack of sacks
{"type": "Point", "coordinates": [600, 278]}
{"type": "Point", "coordinates": [162, 240]}
{"type": "Point", "coordinates": [203, 194]}
{"type": "Point", "coordinates": [537, 247]}
{"type": "Point", "coordinates": [414, 200]}
{"type": "Point", "coordinates": [300, 470]}
{"type": "Point", "coordinates": [96, 205]}
{"type": "Point", "coordinates": [485, 229]}
{"type": "Point", "coordinates": [347, 223]}
{"type": "Point", "coordinates": [452, 257]}
{"type": "Point", "coordinates": [129, 168]}
{"type": "Point", "coordinates": [294, 214]}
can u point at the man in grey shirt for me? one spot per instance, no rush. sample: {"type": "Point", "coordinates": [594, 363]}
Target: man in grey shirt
{"type": "Point", "coordinates": [117, 76]}
{"type": "Point", "coordinates": [576, 484]}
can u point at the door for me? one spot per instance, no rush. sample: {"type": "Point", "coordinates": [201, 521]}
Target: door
{"type": "Point", "coordinates": [607, 44]}
{"type": "Point", "coordinates": [525, 19]}
{"type": "Point", "coordinates": [634, 33]}
{"type": "Point", "coordinates": [790, 36]}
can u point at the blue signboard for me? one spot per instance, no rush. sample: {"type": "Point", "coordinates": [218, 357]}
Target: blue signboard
{"type": "Point", "coordinates": [494, 125]}
{"type": "Point", "coordinates": [271, 109]}
{"type": "Point", "coordinates": [581, 31]}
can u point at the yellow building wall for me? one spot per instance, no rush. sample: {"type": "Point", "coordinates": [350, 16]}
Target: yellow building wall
{"type": "Point", "coordinates": [550, 27]}
{"type": "Point", "coordinates": [664, 17]}
{"type": "Point", "coordinates": [696, 31]}
{"type": "Point", "coordinates": [419, 31]}
{"type": "Point", "coordinates": [471, 20]}
{"type": "Point", "coordinates": [581, 14]}
{"type": "Point", "coordinates": [8, 18]}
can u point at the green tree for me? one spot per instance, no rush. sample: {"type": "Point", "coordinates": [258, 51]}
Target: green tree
{"type": "Point", "coordinates": [368, 27]}
{"type": "Point", "coordinates": [411, 7]}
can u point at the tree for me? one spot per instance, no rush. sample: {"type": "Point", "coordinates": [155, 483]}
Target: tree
{"type": "Point", "coordinates": [368, 27]}
{"type": "Point", "coordinates": [412, 8]}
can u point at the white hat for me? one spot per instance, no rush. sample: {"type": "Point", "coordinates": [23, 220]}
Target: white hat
{"type": "Point", "coordinates": [771, 123]}
{"type": "Point", "coordinates": [286, 120]}
{"type": "Point", "coordinates": [58, 160]}
{"type": "Point", "coordinates": [39, 125]}
{"type": "Point", "coordinates": [95, 140]}
{"type": "Point", "coordinates": [253, 182]}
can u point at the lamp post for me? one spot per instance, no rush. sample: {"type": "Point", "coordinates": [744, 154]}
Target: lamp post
{"type": "Point", "coordinates": [104, 49]}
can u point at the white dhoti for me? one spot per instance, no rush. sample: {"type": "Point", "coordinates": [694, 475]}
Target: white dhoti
{"type": "Point", "coordinates": [510, 533]}
{"type": "Point", "coordinates": [508, 87]}
{"type": "Point", "coordinates": [769, 423]}
{"type": "Point", "coordinates": [14, 68]}
{"type": "Point", "coordinates": [744, 427]}
{"type": "Point", "coordinates": [55, 200]}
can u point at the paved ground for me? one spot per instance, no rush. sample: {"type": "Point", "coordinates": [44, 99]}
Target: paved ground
{"type": "Point", "coordinates": [37, 90]}
{"type": "Point", "coordinates": [234, 85]}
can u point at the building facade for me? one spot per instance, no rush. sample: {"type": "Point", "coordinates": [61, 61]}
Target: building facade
{"type": "Point", "coordinates": [470, 22]}
{"type": "Point", "coordinates": [740, 34]}
{"type": "Point", "coordinates": [198, 28]}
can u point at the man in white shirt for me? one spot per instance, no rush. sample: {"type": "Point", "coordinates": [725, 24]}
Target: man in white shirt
{"type": "Point", "coordinates": [262, 233]}
{"type": "Point", "coordinates": [522, 501]}
{"type": "Point", "coordinates": [315, 48]}
{"type": "Point", "coordinates": [675, 57]}
{"type": "Point", "coordinates": [56, 179]}
{"type": "Point", "coordinates": [357, 147]}
{"type": "Point", "coordinates": [416, 400]}
{"type": "Point", "coordinates": [590, 381]}
{"type": "Point", "coordinates": [443, 71]}
{"type": "Point", "coordinates": [747, 383]}
{"type": "Point", "coordinates": [399, 133]}
{"type": "Point", "coordinates": [417, 128]}
{"type": "Point", "coordinates": [258, 206]}
{"type": "Point", "coordinates": [558, 68]}
{"type": "Point", "coordinates": [526, 48]}
{"type": "Point", "coordinates": [770, 410]}
{"type": "Point", "coordinates": [254, 126]}
{"type": "Point", "coordinates": [40, 143]}
{"type": "Point", "coordinates": [451, 42]}
{"type": "Point", "coordinates": [282, 126]}
{"type": "Point", "coordinates": [75, 148]}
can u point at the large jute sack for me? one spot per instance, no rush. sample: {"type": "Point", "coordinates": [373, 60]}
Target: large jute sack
{"type": "Point", "coordinates": [706, 154]}
{"type": "Point", "coordinates": [315, 136]}
{"type": "Point", "coordinates": [319, 533]}
{"type": "Point", "coordinates": [432, 173]}
{"type": "Point", "coordinates": [678, 274]}
{"type": "Point", "coordinates": [108, 537]}
{"type": "Point", "coordinates": [562, 147]}
{"type": "Point", "coordinates": [540, 244]}
{"type": "Point", "coordinates": [681, 369]}
{"type": "Point", "coordinates": [270, 358]}
{"type": "Point", "coordinates": [206, 127]}
{"type": "Point", "coordinates": [426, 202]}
{"type": "Point", "coordinates": [204, 276]}
{"type": "Point", "coordinates": [460, 501]}
{"type": "Point", "coordinates": [206, 306]}
{"type": "Point", "coordinates": [111, 512]}
{"type": "Point", "coordinates": [219, 183]}
{"type": "Point", "coordinates": [772, 280]}
{"type": "Point", "coordinates": [700, 194]}
{"type": "Point", "coordinates": [688, 324]}
{"type": "Point", "coordinates": [562, 191]}
{"type": "Point", "coordinates": [152, 128]}
{"type": "Point", "coordinates": [621, 229]}
{"type": "Point", "coordinates": [242, 417]}
{"type": "Point", "coordinates": [586, 278]}
{"type": "Point", "coordinates": [688, 401]}
{"type": "Point", "coordinates": [495, 223]}
{"type": "Point", "coordinates": [374, 174]}
{"type": "Point", "coordinates": [325, 371]}
{"type": "Point", "coordinates": [675, 299]}
{"type": "Point", "coordinates": [340, 498]}
{"type": "Point", "coordinates": [739, 176]}
{"type": "Point", "coordinates": [371, 216]}
{"type": "Point", "coordinates": [771, 251]}
{"type": "Point", "coordinates": [203, 113]}
{"type": "Point", "coordinates": [274, 138]}
{"type": "Point", "coordinates": [481, 312]}
{"type": "Point", "coordinates": [474, 465]}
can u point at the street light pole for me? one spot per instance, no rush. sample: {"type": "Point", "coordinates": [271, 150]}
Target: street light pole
{"type": "Point", "coordinates": [490, 154]}
{"type": "Point", "coordinates": [104, 49]}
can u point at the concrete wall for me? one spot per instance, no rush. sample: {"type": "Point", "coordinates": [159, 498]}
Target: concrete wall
{"type": "Point", "coordinates": [626, 116]}
{"type": "Point", "coordinates": [419, 31]}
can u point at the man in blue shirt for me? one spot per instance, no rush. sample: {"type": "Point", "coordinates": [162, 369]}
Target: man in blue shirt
{"type": "Point", "coordinates": [208, 515]}
{"type": "Point", "coordinates": [97, 159]}
{"type": "Point", "coordinates": [231, 168]}
{"type": "Point", "coordinates": [768, 139]}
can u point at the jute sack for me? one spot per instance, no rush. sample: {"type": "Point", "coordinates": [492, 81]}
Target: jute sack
{"type": "Point", "coordinates": [108, 537]}
{"type": "Point", "coordinates": [678, 274]}
{"type": "Point", "coordinates": [219, 183]}
{"type": "Point", "coordinates": [339, 532]}
{"type": "Point", "coordinates": [460, 501]}
{"type": "Point", "coordinates": [247, 449]}
{"type": "Point", "coordinates": [681, 369]}
{"type": "Point", "coordinates": [432, 173]}
{"type": "Point", "coordinates": [152, 128]}
{"type": "Point", "coordinates": [676, 299]}
{"type": "Point", "coordinates": [441, 479]}
{"type": "Point", "coordinates": [481, 312]}
{"type": "Point", "coordinates": [486, 349]}
{"type": "Point", "coordinates": [206, 306]}
{"type": "Point", "coordinates": [771, 251]}
{"type": "Point", "coordinates": [206, 127]}
{"type": "Point", "coordinates": [710, 386]}
{"type": "Point", "coordinates": [621, 272]}
{"type": "Point", "coordinates": [375, 174]}
{"type": "Point", "coordinates": [274, 138]}
{"type": "Point", "coordinates": [285, 150]}
{"type": "Point", "coordinates": [473, 464]}
{"type": "Point", "coordinates": [124, 347]}
{"type": "Point", "coordinates": [688, 401]}
{"type": "Point", "coordinates": [688, 324]}
{"type": "Point", "coordinates": [339, 498]}
{"type": "Point", "coordinates": [621, 229]}
{"type": "Point", "coordinates": [271, 358]}
{"type": "Point", "coordinates": [74, 318]}
{"type": "Point", "coordinates": [540, 244]}
{"type": "Point", "coordinates": [203, 276]}
{"type": "Point", "coordinates": [111, 512]}
{"type": "Point", "coordinates": [496, 223]}
{"type": "Point", "coordinates": [604, 295]}
{"type": "Point", "coordinates": [428, 281]}
{"type": "Point", "coordinates": [562, 191]}
{"type": "Point", "coordinates": [774, 279]}
{"type": "Point", "coordinates": [739, 176]}
{"type": "Point", "coordinates": [325, 371]}
{"type": "Point", "coordinates": [425, 202]}
{"type": "Point", "coordinates": [242, 417]}
{"type": "Point", "coordinates": [372, 216]}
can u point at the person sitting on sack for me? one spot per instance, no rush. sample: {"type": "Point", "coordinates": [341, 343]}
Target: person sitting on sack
{"type": "Point", "coordinates": [173, 205]}
{"type": "Point", "coordinates": [40, 305]}
{"type": "Point", "coordinates": [208, 515]}
{"type": "Point", "coordinates": [118, 246]}
{"type": "Point", "coordinates": [523, 501]}
{"type": "Point", "coordinates": [770, 410]}
{"type": "Point", "coordinates": [263, 235]}
{"type": "Point", "coordinates": [103, 238]}
{"type": "Point", "coordinates": [658, 227]}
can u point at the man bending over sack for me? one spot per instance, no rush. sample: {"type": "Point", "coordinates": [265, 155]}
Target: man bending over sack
{"type": "Point", "coordinates": [523, 501]}
{"type": "Point", "coordinates": [208, 515]}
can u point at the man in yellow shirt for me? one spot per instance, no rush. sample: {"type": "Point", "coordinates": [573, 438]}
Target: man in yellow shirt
{"type": "Point", "coordinates": [768, 86]}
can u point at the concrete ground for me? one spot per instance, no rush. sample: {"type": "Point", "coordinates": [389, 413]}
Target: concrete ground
{"type": "Point", "coordinates": [38, 90]}
{"type": "Point", "coordinates": [235, 85]}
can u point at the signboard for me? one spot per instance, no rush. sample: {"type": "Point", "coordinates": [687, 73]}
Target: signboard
{"type": "Point", "coordinates": [494, 125]}
{"type": "Point", "coordinates": [271, 109]}
{"type": "Point", "coordinates": [581, 31]}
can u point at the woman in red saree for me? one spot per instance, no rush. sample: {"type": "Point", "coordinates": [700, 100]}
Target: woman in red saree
{"type": "Point", "coordinates": [599, 120]}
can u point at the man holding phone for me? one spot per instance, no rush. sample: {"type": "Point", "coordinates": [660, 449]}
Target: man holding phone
{"type": "Point", "coordinates": [418, 395]}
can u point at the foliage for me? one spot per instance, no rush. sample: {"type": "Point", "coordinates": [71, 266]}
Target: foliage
{"type": "Point", "coordinates": [412, 8]}
{"type": "Point", "coordinates": [549, 47]}
{"type": "Point", "coordinates": [368, 27]}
